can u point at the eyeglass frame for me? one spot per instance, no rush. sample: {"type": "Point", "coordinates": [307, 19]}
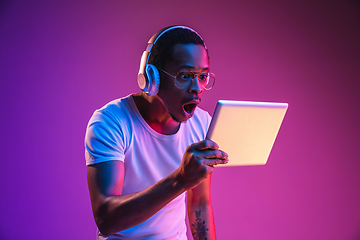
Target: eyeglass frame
{"type": "Point", "coordinates": [196, 74]}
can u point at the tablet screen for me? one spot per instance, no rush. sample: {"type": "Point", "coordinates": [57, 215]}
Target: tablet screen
{"type": "Point", "coordinates": [246, 131]}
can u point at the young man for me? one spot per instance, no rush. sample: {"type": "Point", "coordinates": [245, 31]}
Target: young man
{"type": "Point", "coordinates": [145, 151]}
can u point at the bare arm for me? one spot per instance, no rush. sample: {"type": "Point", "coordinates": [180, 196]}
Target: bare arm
{"type": "Point", "coordinates": [114, 212]}
{"type": "Point", "coordinates": [200, 212]}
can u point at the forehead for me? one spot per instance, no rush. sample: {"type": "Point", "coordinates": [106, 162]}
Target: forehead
{"type": "Point", "coordinates": [188, 56]}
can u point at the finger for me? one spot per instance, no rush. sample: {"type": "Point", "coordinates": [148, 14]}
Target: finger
{"type": "Point", "coordinates": [206, 144]}
{"type": "Point", "coordinates": [214, 162]}
{"type": "Point", "coordinates": [214, 154]}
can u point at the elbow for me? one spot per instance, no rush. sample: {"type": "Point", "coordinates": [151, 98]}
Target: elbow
{"type": "Point", "coordinates": [104, 222]}
{"type": "Point", "coordinates": [107, 230]}
{"type": "Point", "coordinates": [107, 225]}
{"type": "Point", "coordinates": [102, 226]}
{"type": "Point", "coordinates": [110, 220]}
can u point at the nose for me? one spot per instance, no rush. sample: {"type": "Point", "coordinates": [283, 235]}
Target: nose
{"type": "Point", "coordinates": [195, 85]}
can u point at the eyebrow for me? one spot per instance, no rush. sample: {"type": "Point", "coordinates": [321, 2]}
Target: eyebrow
{"type": "Point", "coordinates": [191, 67]}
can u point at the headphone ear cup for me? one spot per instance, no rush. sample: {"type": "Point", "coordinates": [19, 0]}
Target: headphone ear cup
{"type": "Point", "coordinates": [153, 78]}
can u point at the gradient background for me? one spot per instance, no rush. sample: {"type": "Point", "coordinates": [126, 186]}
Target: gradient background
{"type": "Point", "coordinates": [61, 60]}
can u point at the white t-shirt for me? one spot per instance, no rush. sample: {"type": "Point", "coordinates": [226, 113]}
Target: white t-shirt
{"type": "Point", "coordinates": [118, 132]}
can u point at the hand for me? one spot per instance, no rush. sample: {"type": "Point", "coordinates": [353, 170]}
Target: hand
{"type": "Point", "coordinates": [198, 162]}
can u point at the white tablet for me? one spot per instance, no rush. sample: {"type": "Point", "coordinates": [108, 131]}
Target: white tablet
{"type": "Point", "coordinates": [246, 130]}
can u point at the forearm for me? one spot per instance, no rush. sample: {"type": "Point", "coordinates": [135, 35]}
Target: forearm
{"type": "Point", "coordinates": [201, 217]}
{"type": "Point", "coordinates": [117, 213]}
{"type": "Point", "coordinates": [201, 220]}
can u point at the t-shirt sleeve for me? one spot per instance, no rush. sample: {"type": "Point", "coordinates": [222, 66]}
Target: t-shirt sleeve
{"type": "Point", "coordinates": [104, 139]}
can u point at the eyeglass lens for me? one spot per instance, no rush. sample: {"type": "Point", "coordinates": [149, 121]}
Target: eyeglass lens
{"type": "Point", "coordinates": [185, 78]}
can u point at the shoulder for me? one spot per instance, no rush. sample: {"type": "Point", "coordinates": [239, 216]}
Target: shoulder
{"type": "Point", "coordinates": [108, 132]}
{"type": "Point", "coordinates": [113, 112]}
{"type": "Point", "coordinates": [114, 120]}
{"type": "Point", "coordinates": [117, 107]}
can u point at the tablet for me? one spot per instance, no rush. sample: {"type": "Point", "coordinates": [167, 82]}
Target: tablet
{"type": "Point", "coordinates": [246, 130]}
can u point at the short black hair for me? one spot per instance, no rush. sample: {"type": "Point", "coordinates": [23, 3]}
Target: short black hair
{"type": "Point", "coordinates": [161, 52]}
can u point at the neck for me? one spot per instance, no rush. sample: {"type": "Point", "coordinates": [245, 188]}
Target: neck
{"type": "Point", "coordinates": [155, 114]}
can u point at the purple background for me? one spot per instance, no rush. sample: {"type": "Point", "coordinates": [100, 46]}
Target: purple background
{"type": "Point", "coordinates": [60, 60]}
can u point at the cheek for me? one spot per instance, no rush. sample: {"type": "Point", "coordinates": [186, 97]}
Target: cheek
{"type": "Point", "coordinates": [171, 97]}
{"type": "Point", "coordinates": [164, 86]}
{"type": "Point", "coordinates": [165, 83]}
{"type": "Point", "coordinates": [167, 88]}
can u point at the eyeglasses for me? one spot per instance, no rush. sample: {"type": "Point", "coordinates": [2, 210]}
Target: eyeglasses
{"type": "Point", "coordinates": [183, 79]}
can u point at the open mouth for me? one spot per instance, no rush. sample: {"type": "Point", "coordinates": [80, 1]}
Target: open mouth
{"type": "Point", "coordinates": [190, 108]}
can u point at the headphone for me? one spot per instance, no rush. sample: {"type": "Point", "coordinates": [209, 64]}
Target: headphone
{"type": "Point", "coordinates": [149, 77]}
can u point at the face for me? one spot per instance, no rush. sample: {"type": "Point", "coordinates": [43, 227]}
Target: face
{"type": "Point", "coordinates": [181, 103]}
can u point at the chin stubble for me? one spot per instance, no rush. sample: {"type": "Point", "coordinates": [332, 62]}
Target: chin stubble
{"type": "Point", "coordinates": [174, 118]}
{"type": "Point", "coordinates": [177, 120]}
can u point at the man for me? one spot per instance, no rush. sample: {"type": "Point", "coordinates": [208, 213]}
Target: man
{"type": "Point", "coordinates": [145, 151]}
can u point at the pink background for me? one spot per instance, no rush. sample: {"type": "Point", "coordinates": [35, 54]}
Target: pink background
{"type": "Point", "coordinates": [60, 60]}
